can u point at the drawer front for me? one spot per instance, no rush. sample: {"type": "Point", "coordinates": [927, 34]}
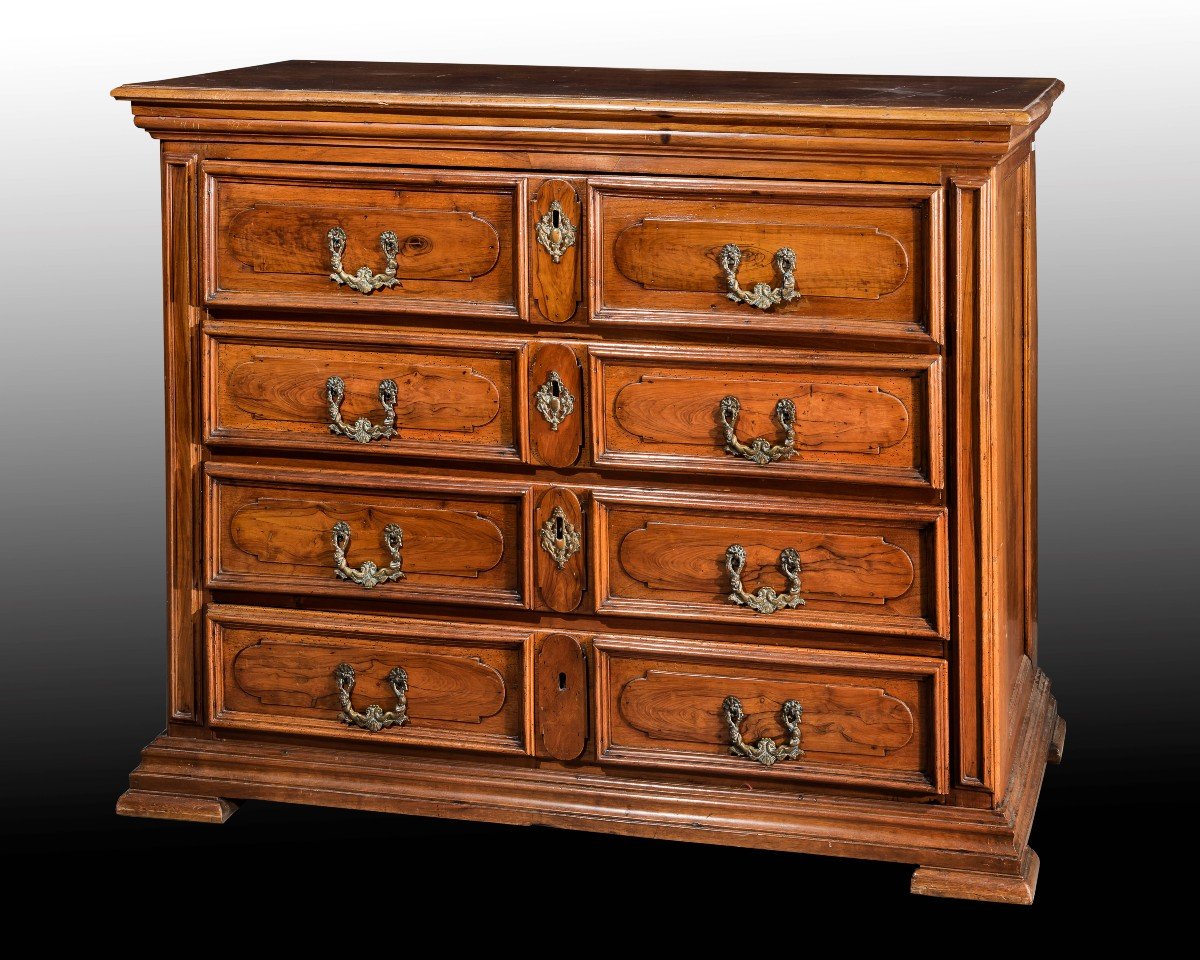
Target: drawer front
{"type": "Point", "coordinates": [822, 258]}
{"type": "Point", "coordinates": [845, 718]}
{"type": "Point", "coordinates": [366, 537]}
{"type": "Point", "coordinates": [371, 239]}
{"type": "Point", "coordinates": [461, 686]}
{"type": "Point", "coordinates": [846, 417]}
{"type": "Point", "coordinates": [758, 561]}
{"type": "Point", "coordinates": [433, 397]}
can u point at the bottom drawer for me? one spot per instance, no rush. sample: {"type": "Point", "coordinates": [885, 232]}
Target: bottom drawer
{"type": "Point", "coordinates": [358, 677]}
{"type": "Point", "coordinates": [841, 718]}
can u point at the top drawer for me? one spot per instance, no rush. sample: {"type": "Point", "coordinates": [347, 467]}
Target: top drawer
{"type": "Point", "coordinates": [857, 259]}
{"type": "Point", "coordinates": [296, 236]}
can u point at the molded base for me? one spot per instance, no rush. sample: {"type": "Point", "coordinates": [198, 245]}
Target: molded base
{"type": "Point", "coordinates": [175, 806]}
{"type": "Point", "coordinates": [979, 854]}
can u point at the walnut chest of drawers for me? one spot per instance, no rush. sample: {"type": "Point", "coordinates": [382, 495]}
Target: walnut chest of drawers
{"type": "Point", "coordinates": [645, 452]}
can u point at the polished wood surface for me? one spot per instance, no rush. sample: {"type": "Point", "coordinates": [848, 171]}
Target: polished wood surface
{"type": "Point", "coordinates": [273, 670]}
{"type": "Point", "coordinates": [859, 418]}
{"type": "Point", "coordinates": [867, 720]}
{"type": "Point", "coordinates": [559, 466]}
{"type": "Point", "coordinates": [270, 247]}
{"type": "Point", "coordinates": [863, 260]}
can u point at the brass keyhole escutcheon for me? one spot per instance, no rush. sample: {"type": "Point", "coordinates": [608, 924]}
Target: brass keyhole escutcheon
{"type": "Point", "coordinates": [555, 231]}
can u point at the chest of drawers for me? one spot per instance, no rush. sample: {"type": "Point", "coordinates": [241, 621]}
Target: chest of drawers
{"type": "Point", "coordinates": [631, 451]}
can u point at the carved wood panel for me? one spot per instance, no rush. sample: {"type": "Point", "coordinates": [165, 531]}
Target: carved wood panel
{"type": "Point", "coordinates": [561, 687]}
{"type": "Point", "coordinates": [461, 543]}
{"type": "Point", "coordinates": [868, 720]}
{"type": "Point", "coordinates": [862, 568]}
{"type": "Point", "coordinates": [452, 399]}
{"type": "Point", "coordinates": [455, 238]}
{"type": "Point", "coordinates": [557, 407]}
{"type": "Point", "coordinates": [555, 267]}
{"type": "Point", "coordinates": [560, 539]}
{"type": "Point", "coordinates": [855, 417]}
{"type": "Point", "coordinates": [865, 256]}
{"type": "Point", "coordinates": [466, 686]}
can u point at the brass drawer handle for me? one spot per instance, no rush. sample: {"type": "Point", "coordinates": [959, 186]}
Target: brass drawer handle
{"type": "Point", "coordinates": [362, 429]}
{"type": "Point", "coordinates": [368, 575]}
{"type": "Point", "coordinates": [366, 280]}
{"type": "Point", "coordinates": [766, 751]}
{"type": "Point", "coordinates": [761, 295]}
{"type": "Point", "coordinates": [559, 538]}
{"type": "Point", "coordinates": [759, 450]}
{"type": "Point", "coordinates": [555, 231]}
{"type": "Point", "coordinates": [374, 718]}
{"type": "Point", "coordinates": [766, 600]}
{"type": "Point", "coordinates": [553, 400]}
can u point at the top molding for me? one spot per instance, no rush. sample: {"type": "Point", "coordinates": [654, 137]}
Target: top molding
{"type": "Point", "coordinates": [315, 100]}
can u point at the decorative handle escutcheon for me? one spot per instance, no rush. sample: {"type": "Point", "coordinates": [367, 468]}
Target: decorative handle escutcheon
{"type": "Point", "coordinates": [553, 400]}
{"type": "Point", "coordinates": [759, 450]}
{"type": "Point", "coordinates": [559, 539]}
{"type": "Point", "coordinates": [761, 295]}
{"type": "Point", "coordinates": [368, 575]}
{"type": "Point", "coordinates": [555, 231]}
{"type": "Point", "coordinates": [365, 280]}
{"type": "Point", "coordinates": [362, 429]}
{"type": "Point", "coordinates": [765, 750]}
{"type": "Point", "coordinates": [766, 600]}
{"type": "Point", "coordinates": [374, 718]}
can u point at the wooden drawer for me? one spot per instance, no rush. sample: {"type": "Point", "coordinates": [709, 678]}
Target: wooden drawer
{"type": "Point", "coordinates": [867, 257]}
{"type": "Point", "coordinates": [402, 538]}
{"type": "Point", "coordinates": [451, 238]}
{"type": "Point", "coordinates": [864, 720]}
{"type": "Point", "coordinates": [449, 397]}
{"type": "Point", "coordinates": [860, 568]}
{"type": "Point", "coordinates": [465, 687]}
{"type": "Point", "coordinates": [853, 417]}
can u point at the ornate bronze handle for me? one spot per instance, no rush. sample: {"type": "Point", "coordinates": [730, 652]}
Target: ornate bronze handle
{"type": "Point", "coordinates": [766, 600]}
{"type": "Point", "coordinates": [375, 718]}
{"type": "Point", "coordinates": [362, 429]}
{"type": "Point", "coordinates": [760, 450]}
{"type": "Point", "coordinates": [555, 231]}
{"type": "Point", "coordinates": [559, 539]}
{"type": "Point", "coordinates": [766, 751]}
{"type": "Point", "coordinates": [365, 280]}
{"type": "Point", "coordinates": [368, 575]}
{"type": "Point", "coordinates": [553, 400]}
{"type": "Point", "coordinates": [761, 295]}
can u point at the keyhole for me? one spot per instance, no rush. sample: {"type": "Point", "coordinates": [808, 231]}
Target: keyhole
{"type": "Point", "coordinates": [555, 218]}
{"type": "Point", "coordinates": [562, 681]}
{"type": "Point", "coordinates": [559, 533]}
{"type": "Point", "coordinates": [555, 388]}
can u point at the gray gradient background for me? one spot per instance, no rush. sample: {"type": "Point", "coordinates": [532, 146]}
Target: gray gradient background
{"type": "Point", "coordinates": [81, 456]}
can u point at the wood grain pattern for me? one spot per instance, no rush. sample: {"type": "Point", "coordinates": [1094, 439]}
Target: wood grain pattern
{"type": "Point", "coordinates": [267, 238]}
{"type": "Point", "coordinates": [461, 544]}
{"type": "Point", "coordinates": [910, 202]}
{"type": "Point", "coordinates": [561, 590]}
{"type": "Point", "coordinates": [274, 671]}
{"type": "Point", "coordinates": [864, 255]}
{"type": "Point", "coordinates": [859, 418]}
{"type": "Point", "coordinates": [862, 570]}
{"type": "Point", "coordinates": [561, 696]}
{"type": "Point", "coordinates": [454, 401]}
{"type": "Point", "coordinates": [561, 447]}
{"type": "Point", "coordinates": [555, 287]}
{"type": "Point", "coordinates": [867, 719]}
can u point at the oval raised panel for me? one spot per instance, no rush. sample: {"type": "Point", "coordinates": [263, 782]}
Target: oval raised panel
{"type": "Point", "coordinates": [429, 397]}
{"type": "Point", "coordinates": [837, 719]}
{"type": "Point", "coordinates": [847, 418]}
{"type": "Point", "coordinates": [444, 245]}
{"type": "Point", "coordinates": [859, 263]}
{"type": "Point", "coordinates": [450, 542]}
{"type": "Point", "coordinates": [843, 567]}
{"type": "Point", "coordinates": [463, 689]}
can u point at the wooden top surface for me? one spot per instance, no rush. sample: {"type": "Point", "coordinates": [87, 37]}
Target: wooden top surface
{"type": "Point", "coordinates": [315, 82]}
